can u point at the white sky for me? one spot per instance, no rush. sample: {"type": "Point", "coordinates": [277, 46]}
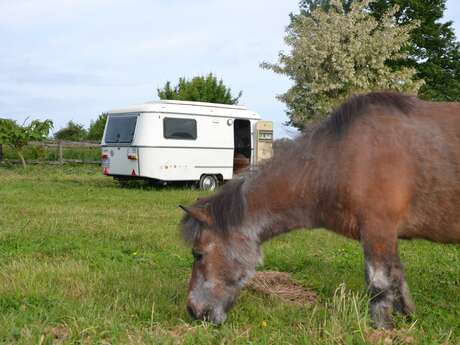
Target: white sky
{"type": "Point", "coordinates": [73, 59]}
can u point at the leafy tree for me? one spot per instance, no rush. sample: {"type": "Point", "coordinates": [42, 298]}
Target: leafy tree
{"type": "Point", "coordinates": [72, 132]}
{"type": "Point", "coordinates": [308, 6]}
{"type": "Point", "coordinates": [335, 53]}
{"type": "Point", "coordinates": [433, 52]}
{"type": "Point", "coordinates": [18, 136]}
{"type": "Point", "coordinates": [201, 89]}
{"type": "Point", "coordinates": [96, 128]}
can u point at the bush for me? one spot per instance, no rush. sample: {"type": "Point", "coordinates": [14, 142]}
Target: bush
{"type": "Point", "coordinates": [72, 132]}
{"type": "Point", "coordinates": [96, 128]}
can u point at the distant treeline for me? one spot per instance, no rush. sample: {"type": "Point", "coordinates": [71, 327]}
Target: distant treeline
{"type": "Point", "coordinates": [74, 131]}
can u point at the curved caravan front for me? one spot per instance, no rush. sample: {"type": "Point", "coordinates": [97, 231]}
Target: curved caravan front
{"type": "Point", "coordinates": [119, 155]}
{"type": "Point", "coordinates": [177, 141]}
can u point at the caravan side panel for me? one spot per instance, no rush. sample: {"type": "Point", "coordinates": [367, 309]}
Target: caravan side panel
{"type": "Point", "coordinates": [170, 159]}
{"type": "Point", "coordinates": [184, 163]}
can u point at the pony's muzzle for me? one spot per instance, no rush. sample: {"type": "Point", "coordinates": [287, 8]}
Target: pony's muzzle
{"type": "Point", "coordinates": [195, 312]}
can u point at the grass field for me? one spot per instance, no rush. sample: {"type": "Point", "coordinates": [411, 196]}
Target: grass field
{"type": "Point", "coordinates": [83, 261]}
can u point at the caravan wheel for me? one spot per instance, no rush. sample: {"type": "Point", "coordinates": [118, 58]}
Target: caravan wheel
{"type": "Point", "coordinates": [209, 182]}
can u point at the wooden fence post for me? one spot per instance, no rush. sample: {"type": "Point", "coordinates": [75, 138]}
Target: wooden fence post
{"type": "Point", "coordinates": [60, 151]}
{"type": "Point", "coordinates": [1, 152]}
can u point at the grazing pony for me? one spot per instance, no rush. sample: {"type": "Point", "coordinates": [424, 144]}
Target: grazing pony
{"type": "Point", "coordinates": [383, 166]}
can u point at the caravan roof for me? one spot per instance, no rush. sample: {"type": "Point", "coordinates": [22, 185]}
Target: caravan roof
{"type": "Point", "coordinates": [191, 108]}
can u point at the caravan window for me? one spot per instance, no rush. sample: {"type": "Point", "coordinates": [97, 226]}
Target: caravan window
{"type": "Point", "coordinates": [120, 129]}
{"type": "Point", "coordinates": [175, 128]}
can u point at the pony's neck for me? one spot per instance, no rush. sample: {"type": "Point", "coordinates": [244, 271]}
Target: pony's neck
{"type": "Point", "coordinates": [277, 206]}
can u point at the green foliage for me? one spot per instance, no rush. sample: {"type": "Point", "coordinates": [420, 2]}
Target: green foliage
{"type": "Point", "coordinates": [337, 51]}
{"type": "Point", "coordinates": [96, 128]}
{"type": "Point", "coordinates": [200, 89]}
{"type": "Point", "coordinates": [72, 132]}
{"type": "Point", "coordinates": [18, 136]}
{"type": "Point", "coordinates": [308, 6]}
{"type": "Point", "coordinates": [434, 51]}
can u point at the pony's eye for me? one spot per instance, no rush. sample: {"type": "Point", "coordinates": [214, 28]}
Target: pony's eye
{"type": "Point", "coordinates": [198, 256]}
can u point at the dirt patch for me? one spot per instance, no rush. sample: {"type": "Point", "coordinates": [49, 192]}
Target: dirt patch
{"type": "Point", "coordinates": [280, 285]}
{"type": "Point", "coordinates": [390, 337]}
{"type": "Point", "coordinates": [180, 331]}
{"type": "Point", "coordinates": [58, 333]}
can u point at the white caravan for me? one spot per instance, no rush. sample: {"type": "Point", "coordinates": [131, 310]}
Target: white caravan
{"type": "Point", "coordinates": [184, 141]}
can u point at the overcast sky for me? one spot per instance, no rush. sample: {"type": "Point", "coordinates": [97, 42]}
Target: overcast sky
{"type": "Point", "coordinates": [73, 59]}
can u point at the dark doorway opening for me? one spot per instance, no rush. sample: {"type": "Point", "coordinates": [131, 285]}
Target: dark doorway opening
{"type": "Point", "coordinates": [242, 141]}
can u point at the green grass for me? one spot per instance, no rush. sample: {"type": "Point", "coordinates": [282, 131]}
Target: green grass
{"type": "Point", "coordinates": [83, 261]}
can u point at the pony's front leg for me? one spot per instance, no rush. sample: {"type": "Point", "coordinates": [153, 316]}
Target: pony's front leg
{"type": "Point", "coordinates": [384, 276]}
{"type": "Point", "coordinates": [403, 301]}
{"type": "Point", "coordinates": [381, 294]}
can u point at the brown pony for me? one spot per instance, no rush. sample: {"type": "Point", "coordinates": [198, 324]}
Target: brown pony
{"type": "Point", "coordinates": [383, 166]}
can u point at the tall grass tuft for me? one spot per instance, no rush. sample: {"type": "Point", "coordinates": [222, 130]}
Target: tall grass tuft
{"type": "Point", "coordinates": [342, 320]}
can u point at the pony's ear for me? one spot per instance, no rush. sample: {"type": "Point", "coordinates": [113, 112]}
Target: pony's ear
{"type": "Point", "coordinates": [200, 213]}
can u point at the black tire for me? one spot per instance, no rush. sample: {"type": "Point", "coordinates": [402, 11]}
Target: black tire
{"type": "Point", "coordinates": [209, 182]}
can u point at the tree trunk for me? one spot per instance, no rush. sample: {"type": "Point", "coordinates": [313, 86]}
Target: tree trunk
{"type": "Point", "coordinates": [23, 161]}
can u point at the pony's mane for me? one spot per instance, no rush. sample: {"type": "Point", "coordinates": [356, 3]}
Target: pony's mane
{"type": "Point", "coordinates": [227, 209]}
{"type": "Point", "coordinates": [358, 105]}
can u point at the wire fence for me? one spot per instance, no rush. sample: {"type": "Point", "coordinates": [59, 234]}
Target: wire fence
{"type": "Point", "coordinates": [54, 152]}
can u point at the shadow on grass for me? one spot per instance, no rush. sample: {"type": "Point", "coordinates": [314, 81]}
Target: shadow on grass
{"type": "Point", "coordinates": [150, 184]}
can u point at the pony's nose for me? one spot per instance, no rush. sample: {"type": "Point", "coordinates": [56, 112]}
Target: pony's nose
{"type": "Point", "coordinates": [196, 311]}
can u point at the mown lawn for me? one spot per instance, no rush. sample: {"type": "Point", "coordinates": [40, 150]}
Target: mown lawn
{"type": "Point", "coordinates": [83, 261]}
